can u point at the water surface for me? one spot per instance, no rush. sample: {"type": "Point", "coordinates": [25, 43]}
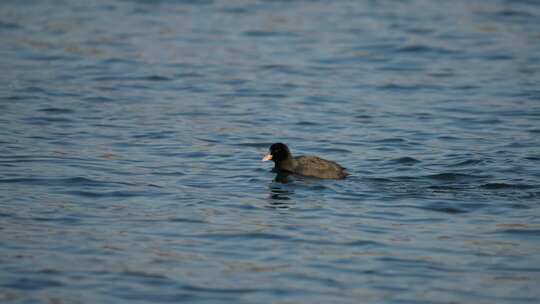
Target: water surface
{"type": "Point", "coordinates": [131, 134]}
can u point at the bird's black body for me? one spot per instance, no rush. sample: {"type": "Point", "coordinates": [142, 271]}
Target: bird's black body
{"type": "Point", "coordinates": [304, 165]}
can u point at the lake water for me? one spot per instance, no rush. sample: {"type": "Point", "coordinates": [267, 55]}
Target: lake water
{"type": "Point", "coordinates": [131, 134]}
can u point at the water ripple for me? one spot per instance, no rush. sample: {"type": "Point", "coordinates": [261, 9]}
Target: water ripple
{"type": "Point", "coordinates": [131, 136]}
{"type": "Point", "coordinates": [32, 284]}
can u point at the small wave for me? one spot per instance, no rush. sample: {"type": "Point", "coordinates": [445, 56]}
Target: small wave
{"type": "Point", "coordinates": [57, 110]}
{"type": "Point", "coordinates": [255, 144]}
{"type": "Point", "coordinates": [442, 74]}
{"type": "Point", "coordinates": [109, 78]}
{"type": "Point", "coordinates": [170, 173]}
{"type": "Point", "coordinates": [390, 140]}
{"type": "Point", "coordinates": [469, 162]}
{"type": "Point", "coordinates": [32, 284]}
{"type": "Point", "coordinates": [514, 13]}
{"type": "Point", "coordinates": [271, 95]}
{"type": "Point", "coordinates": [416, 263]}
{"type": "Point", "coordinates": [282, 68]}
{"type": "Point", "coordinates": [497, 57]}
{"type": "Point", "coordinates": [220, 290]}
{"type": "Point", "coordinates": [443, 207]}
{"type": "Point", "coordinates": [123, 60]}
{"type": "Point", "coordinates": [34, 89]}
{"type": "Point", "coordinates": [269, 34]}
{"type": "Point", "coordinates": [363, 243]}
{"type": "Point", "coordinates": [236, 10]}
{"type": "Point", "coordinates": [188, 75]}
{"type": "Point", "coordinates": [332, 150]}
{"type": "Point", "coordinates": [363, 116]}
{"type": "Point", "coordinates": [62, 220]}
{"type": "Point", "coordinates": [156, 78]}
{"type": "Point", "coordinates": [50, 58]}
{"type": "Point", "coordinates": [155, 135]}
{"type": "Point", "coordinates": [393, 68]}
{"type": "Point", "coordinates": [447, 137]}
{"type": "Point", "coordinates": [99, 99]}
{"type": "Point", "coordinates": [425, 49]}
{"type": "Point", "coordinates": [406, 160]}
{"type": "Point", "coordinates": [71, 181]}
{"type": "Point", "coordinates": [110, 194]}
{"type": "Point", "coordinates": [383, 180]}
{"type": "Point", "coordinates": [306, 123]}
{"type": "Point", "coordinates": [146, 275]}
{"type": "Point", "coordinates": [450, 176]}
{"type": "Point", "coordinates": [244, 236]}
{"type": "Point", "coordinates": [522, 232]}
{"type": "Point", "coordinates": [443, 188]}
{"type": "Point", "coordinates": [9, 26]}
{"type": "Point", "coordinates": [502, 186]}
{"type": "Point", "coordinates": [398, 87]}
{"type": "Point", "coordinates": [48, 120]}
{"type": "Point", "coordinates": [186, 220]}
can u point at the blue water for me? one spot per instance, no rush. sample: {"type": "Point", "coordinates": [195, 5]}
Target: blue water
{"type": "Point", "coordinates": [131, 134]}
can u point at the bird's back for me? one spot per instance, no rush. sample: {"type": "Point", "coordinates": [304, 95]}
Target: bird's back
{"type": "Point", "coordinates": [318, 167]}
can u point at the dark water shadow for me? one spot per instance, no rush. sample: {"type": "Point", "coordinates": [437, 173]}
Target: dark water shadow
{"type": "Point", "coordinates": [282, 178]}
{"type": "Point", "coordinates": [280, 191]}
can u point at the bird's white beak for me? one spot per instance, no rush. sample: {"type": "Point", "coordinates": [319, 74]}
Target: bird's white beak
{"type": "Point", "coordinates": [267, 157]}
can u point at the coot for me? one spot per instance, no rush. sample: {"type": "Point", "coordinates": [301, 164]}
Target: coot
{"type": "Point", "coordinates": [303, 165]}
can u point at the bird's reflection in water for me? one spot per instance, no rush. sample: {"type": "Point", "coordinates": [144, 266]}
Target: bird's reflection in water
{"type": "Point", "coordinates": [279, 192]}
{"type": "Point", "coordinates": [282, 178]}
